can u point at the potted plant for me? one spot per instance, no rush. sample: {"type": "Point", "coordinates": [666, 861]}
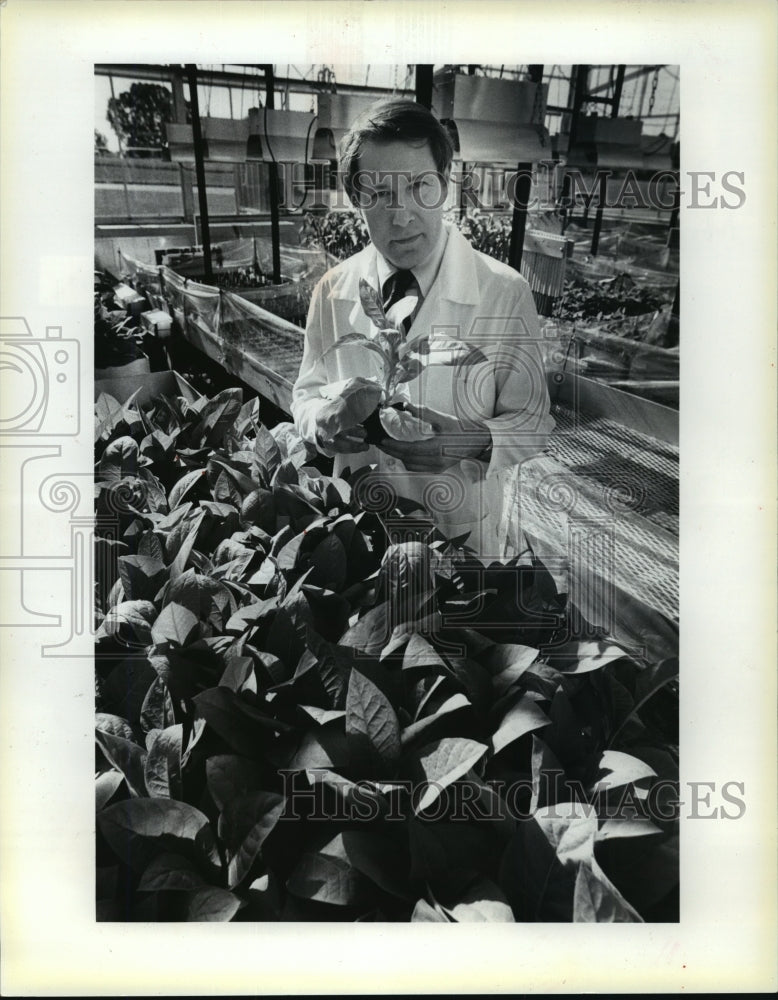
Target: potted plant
{"type": "Point", "coordinates": [386, 399]}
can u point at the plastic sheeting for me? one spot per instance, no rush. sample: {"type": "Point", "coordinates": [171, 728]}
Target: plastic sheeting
{"type": "Point", "coordinates": [229, 327]}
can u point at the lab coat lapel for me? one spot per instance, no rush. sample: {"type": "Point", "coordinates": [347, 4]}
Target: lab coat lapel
{"type": "Point", "coordinates": [346, 288]}
{"type": "Point", "coordinates": [455, 286]}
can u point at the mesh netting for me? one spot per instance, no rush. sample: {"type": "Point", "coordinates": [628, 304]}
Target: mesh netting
{"type": "Point", "coordinates": [605, 485]}
{"type": "Point", "coordinates": [237, 327]}
{"type": "Point", "coordinates": [297, 263]}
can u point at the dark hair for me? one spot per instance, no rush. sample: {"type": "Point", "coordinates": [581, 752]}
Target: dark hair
{"type": "Point", "coordinates": [387, 121]}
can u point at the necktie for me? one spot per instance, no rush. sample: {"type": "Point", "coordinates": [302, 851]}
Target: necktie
{"type": "Point", "coordinates": [398, 286]}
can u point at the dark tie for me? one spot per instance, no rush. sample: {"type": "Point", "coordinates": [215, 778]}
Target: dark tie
{"type": "Point", "coordinates": [396, 287]}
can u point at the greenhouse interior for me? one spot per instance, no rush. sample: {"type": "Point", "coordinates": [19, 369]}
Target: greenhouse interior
{"type": "Point", "coordinates": [312, 703]}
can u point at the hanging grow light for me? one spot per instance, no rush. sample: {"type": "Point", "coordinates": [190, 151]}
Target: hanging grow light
{"type": "Point", "coordinates": [336, 115]}
{"type": "Point", "coordinates": [493, 121]}
{"type": "Point", "coordinates": [281, 135]}
{"type": "Point", "coordinates": [617, 144]}
{"type": "Point", "coordinates": [224, 139]}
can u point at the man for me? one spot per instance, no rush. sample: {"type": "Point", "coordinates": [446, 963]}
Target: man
{"type": "Point", "coordinates": [487, 417]}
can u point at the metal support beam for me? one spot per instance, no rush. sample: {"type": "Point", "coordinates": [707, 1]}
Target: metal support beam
{"type": "Point", "coordinates": [603, 194]}
{"type": "Point", "coordinates": [179, 103]}
{"type": "Point", "coordinates": [620, 70]}
{"type": "Point", "coordinates": [581, 81]}
{"type": "Point", "coordinates": [202, 195]}
{"type": "Point", "coordinates": [273, 182]}
{"type": "Point", "coordinates": [520, 205]}
{"type": "Point", "coordinates": [424, 84]}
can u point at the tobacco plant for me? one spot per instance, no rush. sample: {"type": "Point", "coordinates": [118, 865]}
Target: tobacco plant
{"type": "Point", "coordinates": [312, 706]}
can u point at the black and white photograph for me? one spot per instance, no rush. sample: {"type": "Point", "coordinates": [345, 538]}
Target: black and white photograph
{"type": "Point", "coordinates": [386, 397]}
{"type": "Point", "coordinates": [385, 515]}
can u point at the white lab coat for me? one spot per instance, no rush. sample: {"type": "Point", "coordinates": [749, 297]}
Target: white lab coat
{"type": "Point", "coordinates": [475, 299]}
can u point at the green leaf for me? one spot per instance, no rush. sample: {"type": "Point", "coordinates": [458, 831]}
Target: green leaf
{"type": "Point", "coordinates": [327, 880]}
{"type": "Point", "coordinates": [372, 632]}
{"type": "Point", "coordinates": [129, 620]}
{"type": "Point", "coordinates": [424, 913]}
{"type": "Point", "coordinates": [371, 722]}
{"type": "Point", "coordinates": [407, 370]}
{"type": "Point", "coordinates": [125, 688]}
{"type": "Point", "coordinates": [570, 828]}
{"type": "Point", "coordinates": [211, 904]}
{"type": "Point", "coordinates": [226, 492]}
{"type": "Point", "coordinates": [644, 869]}
{"type": "Point", "coordinates": [330, 564]}
{"type": "Point", "coordinates": [139, 829]}
{"type": "Point", "coordinates": [522, 718]}
{"type": "Point", "coordinates": [244, 825]}
{"type": "Point", "coordinates": [546, 772]}
{"type": "Point", "coordinates": [229, 777]}
{"type": "Point", "coordinates": [106, 786]}
{"type": "Point", "coordinates": [482, 902]}
{"type": "Point", "coordinates": [119, 460]}
{"type": "Point", "coordinates": [416, 729]}
{"type": "Point", "coordinates": [126, 757]}
{"type": "Point", "coordinates": [431, 693]}
{"type": "Point", "coordinates": [267, 453]}
{"type": "Point", "coordinates": [116, 726]}
{"type": "Point", "coordinates": [239, 675]}
{"type": "Point", "coordinates": [150, 547]}
{"type": "Point", "coordinates": [178, 565]}
{"type": "Point", "coordinates": [619, 828]}
{"type": "Point", "coordinates": [224, 712]}
{"type": "Point", "coordinates": [420, 654]}
{"type": "Point", "coordinates": [186, 487]}
{"type": "Point", "coordinates": [354, 794]}
{"type": "Point", "coordinates": [141, 576]}
{"type": "Point", "coordinates": [107, 415]}
{"type": "Point", "coordinates": [438, 849]}
{"type": "Point", "coordinates": [617, 769]}
{"type": "Point", "coordinates": [157, 710]}
{"type": "Point", "coordinates": [216, 418]}
{"type": "Point", "coordinates": [187, 590]}
{"type": "Point", "coordinates": [244, 484]}
{"type": "Point", "coordinates": [442, 763]}
{"type": "Point", "coordinates": [170, 873]}
{"type": "Point", "coordinates": [378, 858]}
{"type": "Point", "coordinates": [580, 657]}
{"type": "Point", "coordinates": [323, 748]}
{"type": "Point", "coordinates": [372, 305]}
{"type": "Point", "coordinates": [597, 900]}
{"type": "Point", "coordinates": [163, 764]}
{"type": "Point", "coordinates": [508, 656]}
{"type": "Point", "coordinates": [175, 624]}
{"type": "Point", "coordinates": [540, 866]}
{"type": "Point", "coordinates": [648, 683]}
{"type": "Point", "coordinates": [323, 715]}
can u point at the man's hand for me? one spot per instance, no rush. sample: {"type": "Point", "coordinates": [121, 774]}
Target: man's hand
{"type": "Point", "coordinates": [336, 432]}
{"type": "Point", "coordinates": [450, 444]}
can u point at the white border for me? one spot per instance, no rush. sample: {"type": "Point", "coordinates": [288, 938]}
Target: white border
{"type": "Point", "coordinates": [726, 939]}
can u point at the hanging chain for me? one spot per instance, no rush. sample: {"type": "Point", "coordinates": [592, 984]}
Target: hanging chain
{"type": "Point", "coordinates": [652, 98]}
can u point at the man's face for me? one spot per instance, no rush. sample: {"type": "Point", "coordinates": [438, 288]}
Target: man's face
{"type": "Point", "coordinates": [401, 200]}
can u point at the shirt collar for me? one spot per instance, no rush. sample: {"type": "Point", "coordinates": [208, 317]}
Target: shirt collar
{"type": "Point", "coordinates": [425, 273]}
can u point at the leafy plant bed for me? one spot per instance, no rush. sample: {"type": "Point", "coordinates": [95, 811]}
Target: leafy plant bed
{"type": "Point", "coordinates": [312, 706]}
